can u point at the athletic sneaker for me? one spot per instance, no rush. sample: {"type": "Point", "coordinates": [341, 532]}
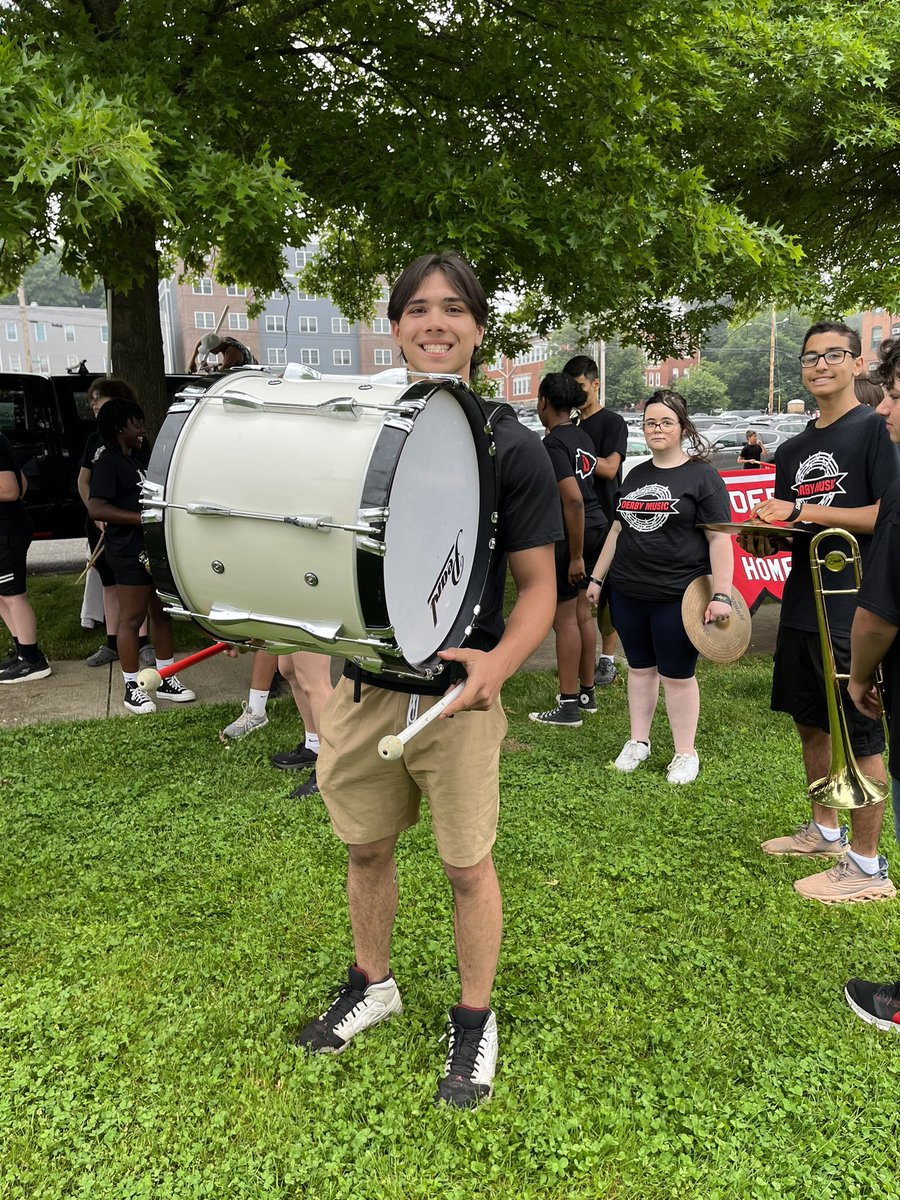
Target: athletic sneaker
{"type": "Point", "coordinates": [632, 755]}
{"type": "Point", "coordinates": [807, 842]}
{"type": "Point", "coordinates": [137, 700]}
{"type": "Point", "coordinates": [586, 700]}
{"type": "Point", "coordinates": [847, 883]}
{"type": "Point", "coordinates": [293, 760]}
{"type": "Point", "coordinates": [877, 1004]}
{"type": "Point", "coordinates": [173, 689]}
{"type": "Point", "coordinates": [684, 768]}
{"type": "Point", "coordinates": [22, 671]}
{"type": "Point", "coordinates": [310, 788]}
{"type": "Point", "coordinates": [357, 1004]}
{"type": "Point", "coordinates": [567, 712]}
{"type": "Point", "coordinates": [102, 656]}
{"type": "Point", "coordinates": [147, 656]}
{"type": "Point", "coordinates": [606, 673]}
{"type": "Point", "coordinates": [10, 661]}
{"type": "Point", "coordinates": [471, 1062]}
{"type": "Point", "coordinates": [245, 723]}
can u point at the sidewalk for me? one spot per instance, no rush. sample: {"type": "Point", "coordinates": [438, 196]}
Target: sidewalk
{"type": "Point", "coordinates": [76, 692]}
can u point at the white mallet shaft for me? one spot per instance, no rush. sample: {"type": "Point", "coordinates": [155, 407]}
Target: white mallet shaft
{"type": "Point", "coordinates": [391, 747]}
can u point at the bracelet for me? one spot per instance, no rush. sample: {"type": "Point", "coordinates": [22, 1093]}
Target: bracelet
{"type": "Point", "coordinates": [594, 579]}
{"type": "Point", "coordinates": [798, 509]}
{"type": "Point", "coordinates": [721, 598]}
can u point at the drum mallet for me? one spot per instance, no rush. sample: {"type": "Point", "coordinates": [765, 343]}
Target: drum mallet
{"type": "Point", "coordinates": [390, 748]}
{"type": "Point", "coordinates": [150, 678]}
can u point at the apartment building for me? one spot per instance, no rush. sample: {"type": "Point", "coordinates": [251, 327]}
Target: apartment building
{"type": "Point", "coordinates": [44, 340]}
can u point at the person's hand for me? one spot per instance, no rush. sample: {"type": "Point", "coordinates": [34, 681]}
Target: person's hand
{"type": "Point", "coordinates": [593, 593]}
{"type": "Point", "coordinates": [576, 571]}
{"type": "Point", "coordinates": [485, 679]}
{"type": "Point", "coordinates": [101, 525]}
{"type": "Point", "coordinates": [774, 510]}
{"type": "Point", "coordinates": [760, 545]}
{"type": "Point", "coordinates": [716, 611]}
{"type": "Point", "coordinates": [866, 697]}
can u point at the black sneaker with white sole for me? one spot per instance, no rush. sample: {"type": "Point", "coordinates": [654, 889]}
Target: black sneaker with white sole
{"type": "Point", "coordinates": [471, 1059]}
{"type": "Point", "coordinates": [567, 712]}
{"type": "Point", "coordinates": [309, 788]}
{"type": "Point", "coordinates": [137, 700]}
{"type": "Point", "coordinates": [294, 760]}
{"type": "Point", "coordinates": [10, 661]}
{"type": "Point", "coordinates": [357, 1005]}
{"type": "Point", "coordinates": [877, 1004]}
{"type": "Point", "coordinates": [22, 671]}
{"type": "Point", "coordinates": [173, 689]}
{"type": "Point", "coordinates": [587, 701]}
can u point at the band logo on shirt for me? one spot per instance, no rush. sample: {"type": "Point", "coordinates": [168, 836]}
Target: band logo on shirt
{"type": "Point", "coordinates": [819, 479]}
{"type": "Point", "coordinates": [648, 508]}
{"type": "Point", "coordinates": [584, 464]}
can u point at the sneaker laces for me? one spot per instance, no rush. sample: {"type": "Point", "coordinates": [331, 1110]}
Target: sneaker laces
{"type": "Point", "coordinates": [346, 998]}
{"type": "Point", "coordinates": [464, 1050]}
{"type": "Point", "coordinates": [136, 692]}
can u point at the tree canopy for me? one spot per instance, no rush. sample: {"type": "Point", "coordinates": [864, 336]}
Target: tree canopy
{"type": "Point", "coordinates": [613, 167]}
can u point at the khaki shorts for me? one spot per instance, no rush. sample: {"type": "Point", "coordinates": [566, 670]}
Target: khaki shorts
{"type": "Point", "coordinates": [453, 762]}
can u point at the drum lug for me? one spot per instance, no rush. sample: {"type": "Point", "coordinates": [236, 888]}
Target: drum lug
{"type": "Point", "coordinates": [379, 515]}
{"type": "Point", "coordinates": [371, 546]}
{"type": "Point", "coordinates": [403, 423]}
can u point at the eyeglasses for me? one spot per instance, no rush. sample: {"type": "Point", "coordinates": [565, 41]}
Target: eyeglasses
{"type": "Point", "coordinates": [665, 424]}
{"type": "Point", "coordinates": [832, 357]}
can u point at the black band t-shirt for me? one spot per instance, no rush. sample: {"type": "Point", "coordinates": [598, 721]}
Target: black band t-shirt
{"type": "Point", "coordinates": [14, 516]}
{"type": "Point", "coordinates": [117, 478]}
{"type": "Point", "coordinates": [572, 457]}
{"type": "Point", "coordinates": [609, 433]}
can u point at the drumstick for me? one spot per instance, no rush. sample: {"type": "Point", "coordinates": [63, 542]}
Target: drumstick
{"type": "Point", "coordinates": [391, 747]}
{"type": "Point", "coordinates": [150, 678]}
{"type": "Point", "coordinates": [97, 552]}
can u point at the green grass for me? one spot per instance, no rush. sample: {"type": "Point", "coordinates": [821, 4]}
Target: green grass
{"type": "Point", "coordinates": [670, 1011]}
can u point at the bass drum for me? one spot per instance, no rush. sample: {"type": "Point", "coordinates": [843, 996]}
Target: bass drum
{"type": "Point", "coordinates": [352, 519]}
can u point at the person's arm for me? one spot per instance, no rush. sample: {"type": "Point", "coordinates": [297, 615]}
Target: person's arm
{"type": "Point", "coordinates": [607, 468]}
{"type": "Point", "coordinates": [604, 562]}
{"type": "Point", "coordinates": [721, 562]}
{"type": "Point", "coordinates": [854, 520]}
{"type": "Point", "coordinates": [871, 637]}
{"type": "Point", "coordinates": [573, 519]}
{"type": "Point", "coordinates": [9, 486]}
{"type": "Point", "coordinates": [102, 510]}
{"type": "Point", "coordinates": [529, 623]}
{"type": "Point", "coordinates": [84, 485]}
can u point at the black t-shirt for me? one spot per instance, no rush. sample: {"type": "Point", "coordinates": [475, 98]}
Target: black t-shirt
{"type": "Point", "coordinates": [751, 450]}
{"type": "Point", "coordinates": [117, 477]}
{"type": "Point", "coordinates": [528, 516]}
{"type": "Point", "coordinates": [609, 433]}
{"type": "Point", "coordinates": [660, 548]}
{"type": "Point", "coordinates": [572, 457]}
{"type": "Point", "coordinates": [94, 447]}
{"type": "Point", "coordinates": [14, 516]}
{"type": "Point", "coordinates": [879, 593]}
{"type": "Point", "coordinates": [848, 464]}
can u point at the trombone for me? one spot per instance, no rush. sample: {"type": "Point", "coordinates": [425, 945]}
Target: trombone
{"type": "Point", "coordinates": [845, 786]}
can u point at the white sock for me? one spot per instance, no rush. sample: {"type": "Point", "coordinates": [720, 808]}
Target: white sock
{"type": "Point", "coordinates": [164, 662]}
{"type": "Point", "coordinates": [130, 676]}
{"type": "Point", "coordinates": [311, 742]}
{"type": "Point", "coordinates": [607, 657]}
{"type": "Point", "coordinates": [829, 834]}
{"type": "Point", "coordinates": [256, 701]}
{"type": "Point", "coordinates": [869, 865]}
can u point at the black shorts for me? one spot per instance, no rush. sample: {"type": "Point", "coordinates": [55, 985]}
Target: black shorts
{"type": "Point", "coordinates": [129, 571]}
{"type": "Point", "coordinates": [101, 566]}
{"type": "Point", "coordinates": [798, 688]}
{"type": "Point", "coordinates": [593, 544]}
{"type": "Point", "coordinates": [652, 635]}
{"type": "Point", "coordinates": [13, 559]}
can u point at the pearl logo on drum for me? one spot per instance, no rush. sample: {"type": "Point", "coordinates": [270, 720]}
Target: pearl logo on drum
{"type": "Point", "coordinates": [450, 572]}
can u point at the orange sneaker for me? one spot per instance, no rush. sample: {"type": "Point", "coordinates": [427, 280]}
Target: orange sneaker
{"type": "Point", "coordinates": [847, 883]}
{"type": "Point", "coordinates": [807, 842]}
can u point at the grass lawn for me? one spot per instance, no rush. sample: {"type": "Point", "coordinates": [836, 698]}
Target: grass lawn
{"type": "Point", "coordinates": [670, 1011]}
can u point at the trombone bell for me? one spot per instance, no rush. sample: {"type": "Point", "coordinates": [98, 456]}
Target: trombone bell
{"type": "Point", "coordinates": [849, 788]}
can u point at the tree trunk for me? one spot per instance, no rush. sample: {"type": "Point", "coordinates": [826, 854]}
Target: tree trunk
{"type": "Point", "coordinates": [135, 332]}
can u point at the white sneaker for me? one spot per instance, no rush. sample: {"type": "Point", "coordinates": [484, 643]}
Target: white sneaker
{"type": "Point", "coordinates": [470, 1065]}
{"type": "Point", "coordinates": [245, 723]}
{"type": "Point", "coordinates": [137, 700]}
{"type": "Point", "coordinates": [358, 1004]}
{"type": "Point", "coordinates": [684, 768]}
{"type": "Point", "coordinates": [173, 689]}
{"type": "Point", "coordinates": [632, 755]}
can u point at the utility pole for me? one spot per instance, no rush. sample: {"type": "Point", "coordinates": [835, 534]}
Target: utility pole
{"type": "Point", "coordinates": [26, 332]}
{"type": "Point", "coordinates": [772, 365]}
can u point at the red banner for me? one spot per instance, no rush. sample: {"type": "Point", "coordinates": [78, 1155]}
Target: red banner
{"type": "Point", "coordinates": [754, 578]}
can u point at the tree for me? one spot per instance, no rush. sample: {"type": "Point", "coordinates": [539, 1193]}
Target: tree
{"type": "Point", "coordinates": [46, 283]}
{"type": "Point", "coordinates": [741, 358]}
{"type": "Point", "coordinates": [626, 384]}
{"type": "Point", "coordinates": [704, 389]}
{"type": "Point", "coordinates": [596, 180]}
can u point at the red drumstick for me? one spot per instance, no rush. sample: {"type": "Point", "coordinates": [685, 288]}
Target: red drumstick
{"type": "Point", "coordinates": [149, 679]}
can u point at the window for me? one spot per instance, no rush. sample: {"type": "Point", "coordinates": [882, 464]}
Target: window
{"type": "Point", "coordinates": [72, 360]}
{"type": "Point", "coordinates": [674, 373]}
{"type": "Point", "coordinates": [383, 358]}
{"type": "Point", "coordinates": [340, 325]}
{"type": "Point", "coordinates": [238, 321]}
{"type": "Point", "coordinates": [274, 324]}
{"type": "Point", "coordinates": [305, 296]}
{"type": "Point", "coordinates": [687, 372]}
{"type": "Point", "coordinates": [521, 385]}
{"type": "Point", "coordinates": [341, 358]}
{"type": "Point", "coordinates": [204, 320]}
{"type": "Point", "coordinates": [203, 287]}
{"type": "Point", "coordinates": [384, 295]}
{"type": "Point", "coordinates": [40, 331]}
{"type": "Point", "coordinates": [69, 331]}
{"type": "Point", "coordinates": [381, 325]}
{"type": "Point", "coordinates": [277, 356]}
{"type": "Point", "coordinates": [303, 257]}
{"type": "Point", "coordinates": [309, 324]}
{"type": "Point", "coordinates": [535, 353]}
{"type": "Point", "coordinates": [895, 331]}
{"type": "Point", "coordinates": [12, 331]}
{"type": "Point", "coordinates": [41, 364]}
{"type": "Point", "coordinates": [104, 333]}
{"type": "Point", "coordinates": [14, 361]}
{"type": "Point", "coordinates": [234, 290]}
{"type": "Point", "coordinates": [309, 358]}
{"type": "Point", "coordinates": [876, 336]}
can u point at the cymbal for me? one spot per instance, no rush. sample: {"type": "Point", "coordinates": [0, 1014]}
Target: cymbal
{"type": "Point", "coordinates": [720, 641]}
{"type": "Point", "coordinates": [766, 528]}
